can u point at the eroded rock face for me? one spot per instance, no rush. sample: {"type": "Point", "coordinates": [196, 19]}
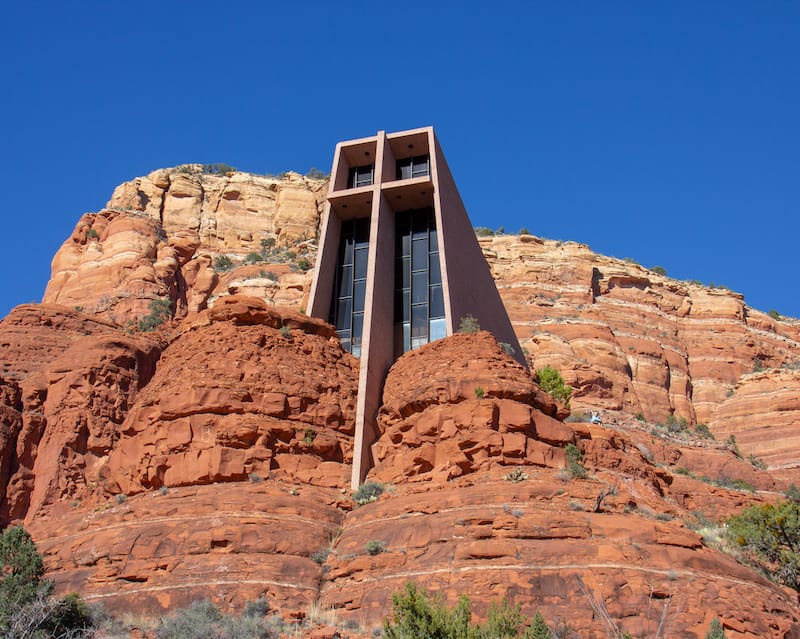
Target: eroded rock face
{"type": "Point", "coordinates": [539, 543]}
{"type": "Point", "coordinates": [763, 413]}
{"type": "Point", "coordinates": [627, 338]}
{"type": "Point", "coordinates": [460, 405]}
{"type": "Point", "coordinates": [161, 236]}
{"type": "Point", "coordinates": [237, 396]}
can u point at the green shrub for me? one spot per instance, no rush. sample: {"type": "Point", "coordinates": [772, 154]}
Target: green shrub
{"type": "Point", "coordinates": [21, 570]}
{"type": "Point", "coordinates": [316, 174]}
{"type": "Point", "coordinates": [285, 332]}
{"type": "Point", "coordinates": [768, 536]}
{"type": "Point", "coordinates": [319, 556]}
{"type": "Point", "coordinates": [483, 231]}
{"type": "Point", "coordinates": [524, 231]}
{"type": "Point", "coordinates": [704, 431]}
{"type": "Point", "coordinates": [468, 324]}
{"type": "Point", "coordinates": [218, 168]}
{"type": "Point", "coordinates": [222, 263]}
{"type": "Point", "coordinates": [574, 458]}
{"type": "Point", "coordinates": [478, 392]}
{"type": "Point", "coordinates": [792, 493]}
{"type": "Point", "coordinates": [507, 348]}
{"type": "Point", "coordinates": [253, 258]}
{"type": "Point", "coordinates": [367, 492]}
{"type": "Point", "coordinates": [375, 547]}
{"type": "Point", "coordinates": [551, 382]}
{"type": "Point", "coordinates": [91, 234]}
{"type": "Point", "coordinates": [303, 264]}
{"type": "Point", "coordinates": [659, 269]}
{"type": "Point", "coordinates": [309, 435]}
{"type": "Point", "coordinates": [25, 598]}
{"type": "Point", "coordinates": [417, 615]}
{"type": "Point", "coordinates": [757, 462]}
{"type": "Point", "coordinates": [716, 631]}
{"type": "Point", "coordinates": [200, 620]}
{"type": "Point", "coordinates": [773, 313]}
{"type": "Point", "coordinates": [160, 312]}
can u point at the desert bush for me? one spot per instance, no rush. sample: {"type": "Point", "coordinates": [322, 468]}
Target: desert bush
{"type": "Point", "coordinates": [716, 631]}
{"type": "Point", "coordinates": [160, 312]}
{"type": "Point", "coordinates": [659, 269]}
{"type": "Point", "coordinates": [375, 547]}
{"type": "Point", "coordinates": [222, 263]}
{"type": "Point", "coordinates": [367, 492]}
{"type": "Point", "coordinates": [768, 537]}
{"type": "Point", "coordinates": [479, 392]}
{"type": "Point", "coordinates": [574, 465]}
{"type": "Point", "coordinates": [253, 258]}
{"type": "Point", "coordinates": [468, 324]}
{"type": "Point", "coordinates": [704, 431]}
{"type": "Point", "coordinates": [415, 614]}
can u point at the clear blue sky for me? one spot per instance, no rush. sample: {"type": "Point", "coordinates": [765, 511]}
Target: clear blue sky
{"type": "Point", "coordinates": [668, 132]}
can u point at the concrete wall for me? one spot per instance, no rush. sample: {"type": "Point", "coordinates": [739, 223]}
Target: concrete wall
{"type": "Point", "coordinates": [469, 285]}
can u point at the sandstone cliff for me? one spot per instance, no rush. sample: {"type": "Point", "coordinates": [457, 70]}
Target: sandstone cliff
{"type": "Point", "coordinates": [210, 457]}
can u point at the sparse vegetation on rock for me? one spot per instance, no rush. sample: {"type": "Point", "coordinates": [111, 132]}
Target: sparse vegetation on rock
{"type": "Point", "coordinates": [551, 382]}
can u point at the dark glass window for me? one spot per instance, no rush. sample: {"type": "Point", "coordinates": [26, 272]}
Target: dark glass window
{"type": "Point", "coordinates": [413, 167]}
{"type": "Point", "coordinates": [361, 176]}
{"type": "Point", "coordinates": [347, 306]}
{"type": "Point", "coordinates": [419, 304]}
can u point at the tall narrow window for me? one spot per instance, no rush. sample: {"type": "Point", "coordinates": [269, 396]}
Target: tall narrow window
{"type": "Point", "coordinates": [361, 176]}
{"type": "Point", "coordinates": [347, 306]}
{"type": "Point", "coordinates": [417, 166]}
{"type": "Point", "coordinates": [419, 303]}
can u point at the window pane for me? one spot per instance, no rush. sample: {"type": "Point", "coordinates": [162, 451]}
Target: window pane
{"type": "Point", "coordinates": [347, 251]}
{"type": "Point", "coordinates": [406, 274]}
{"type": "Point", "coordinates": [434, 270]}
{"type": "Point", "coordinates": [361, 263]}
{"type": "Point", "coordinates": [419, 320]}
{"type": "Point", "coordinates": [346, 282]}
{"type": "Point", "coordinates": [406, 305]}
{"type": "Point", "coordinates": [359, 293]}
{"type": "Point", "coordinates": [438, 329]}
{"type": "Point", "coordinates": [433, 235]}
{"type": "Point", "coordinates": [419, 287]}
{"type": "Point", "coordinates": [420, 166]}
{"type": "Point", "coordinates": [343, 314]}
{"type": "Point", "coordinates": [358, 326]}
{"type": "Point", "coordinates": [404, 169]}
{"type": "Point", "coordinates": [419, 254]}
{"type": "Point", "coordinates": [436, 302]}
{"type": "Point", "coordinates": [362, 231]}
{"type": "Point", "coordinates": [406, 336]}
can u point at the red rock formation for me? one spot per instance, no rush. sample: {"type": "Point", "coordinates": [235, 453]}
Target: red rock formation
{"type": "Point", "coordinates": [211, 458]}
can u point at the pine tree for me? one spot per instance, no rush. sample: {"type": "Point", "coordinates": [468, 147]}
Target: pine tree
{"type": "Point", "coordinates": [538, 628]}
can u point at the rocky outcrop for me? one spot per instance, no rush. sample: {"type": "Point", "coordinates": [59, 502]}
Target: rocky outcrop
{"type": "Point", "coordinates": [461, 405]}
{"type": "Point", "coordinates": [630, 339]}
{"type": "Point", "coordinates": [177, 233]}
{"type": "Point", "coordinates": [763, 414]}
{"type": "Point", "coordinates": [242, 392]}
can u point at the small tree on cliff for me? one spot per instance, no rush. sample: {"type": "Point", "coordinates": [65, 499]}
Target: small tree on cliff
{"type": "Point", "coordinates": [716, 630]}
{"type": "Point", "coordinates": [27, 609]}
{"type": "Point", "coordinates": [551, 382]}
{"type": "Point", "coordinates": [21, 571]}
